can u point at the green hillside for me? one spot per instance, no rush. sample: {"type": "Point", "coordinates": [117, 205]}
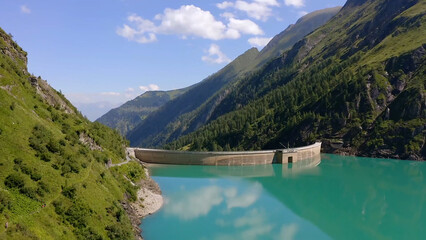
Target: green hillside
{"type": "Point", "coordinates": [359, 79]}
{"type": "Point", "coordinates": [133, 112]}
{"type": "Point", "coordinates": [53, 180]}
{"type": "Point", "coordinates": [195, 108]}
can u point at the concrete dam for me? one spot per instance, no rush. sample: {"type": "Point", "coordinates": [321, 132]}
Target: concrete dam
{"type": "Point", "coordinates": [239, 158]}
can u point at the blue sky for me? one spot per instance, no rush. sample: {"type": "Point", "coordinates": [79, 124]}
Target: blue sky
{"type": "Point", "coordinates": [101, 53]}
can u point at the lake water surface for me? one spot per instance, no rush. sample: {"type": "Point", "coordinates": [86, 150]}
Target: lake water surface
{"type": "Point", "coordinates": [333, 197]}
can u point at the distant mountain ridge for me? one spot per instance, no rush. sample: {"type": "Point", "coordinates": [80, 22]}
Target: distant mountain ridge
{"type": "Point", "coordinates": [359, 80]}
{"type": "Point", "coordinates": [195, 108]}
{"type": "Point", "coordinates": [131, 113]}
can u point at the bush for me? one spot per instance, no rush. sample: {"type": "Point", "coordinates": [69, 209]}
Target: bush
{"type": "Point", "coordinates": [87, 233]}
{"type": "Point", "coordinates": [18, 161]}
{"type": "Point", "coordinates": [29, 192]}
{"type": "Point", "coordinates": [118, 232]}
{"type": "Point", "coordinates": [35, 176]}
{"type": "Point", "coordinates": [4, 201]}
{"type": "Point", "coordinates": [59, 207]}
{"type": "Point", "coordinates": [53, 146]}
{"type": "Point", "coordinates": [62, 142]}
{"type": "Point", "coordinates": [77, 215]}
{"type": "Point", "coordinates": [45, 157]}
{"type": "Point", "coordinates": [65, 169]}
{"type": "Point", "coordinates": [14, 180]}
{"type": "Point", "coordinates": [26, 170]}
{"type": "Point", "coordinates": [43, 188]}
{"type": "Point", "coordinates": [69, 192]}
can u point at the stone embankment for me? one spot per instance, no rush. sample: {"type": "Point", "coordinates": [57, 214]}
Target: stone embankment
{"type": "Point", "coordinates": [149, 198]}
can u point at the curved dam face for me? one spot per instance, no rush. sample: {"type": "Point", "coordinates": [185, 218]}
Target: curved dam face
{"type": "Point", "coordinates": [228, 158]}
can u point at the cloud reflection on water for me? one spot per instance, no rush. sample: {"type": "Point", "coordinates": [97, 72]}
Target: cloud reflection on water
{"type": "Point", "coordinates": [252, 225]}
{"type": "Point", "coordinates": [196, 203]}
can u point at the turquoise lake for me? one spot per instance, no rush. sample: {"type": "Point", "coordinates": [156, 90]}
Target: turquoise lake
{"type": "Point", "coordinates": [334, 197]}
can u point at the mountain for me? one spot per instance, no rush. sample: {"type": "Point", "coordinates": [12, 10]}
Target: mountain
{"type": "Point", "coordinates": [54, 183]}
{"type": "Point", "coordinates": [358, 80]}
{"type": "Point", "coordinates": [131, 113]}
{"type": "Point", "coordinates": [194, 108]}
{"type": "Point", "coordinates": [157, 122]}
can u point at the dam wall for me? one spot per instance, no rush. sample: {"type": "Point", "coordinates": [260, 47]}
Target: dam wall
{"type": "Point", "coordinates": [227, 158]}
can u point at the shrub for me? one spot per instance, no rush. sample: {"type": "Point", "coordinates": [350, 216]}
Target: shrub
{"type": "Point", "coordinates": [43, 186]}
{"type": "Point", "coordinates": [77, 215]}
{"type": "Point", "coordinates": [29, 192]}
{"type": "Point", "coordinates": [118, 232]}
{"type": "Point", "coordinates": [65, 169]}
{"type": "Point", "coordinates": [87, 233]}
{"type": "Point", "coordinates": [18, 161]}
{"type": "Point", "coordinates": [62, 142]}
{"type": "Point", "coordinates": [4, 201]}
{"type": "Point", "coordinates": [35, 176]}
{"type": "Point", "coordinates": [45, 157]}
{"type": "Point", "coordinates": [53, 146]}
{"type": "Point", "coordinates": [59, 207]}
{"type": "Point", "coordinates": [14, 180]}
{"type": "Point", "coordinates": [69, 192]}
{"type": "Point", "coordinates": [26, 170]}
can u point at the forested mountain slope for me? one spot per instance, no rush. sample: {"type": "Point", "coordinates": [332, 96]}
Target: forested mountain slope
{"type": "Point", "coordinates": [133, 112]}
{"type": "Point", "coordinates": [359, 79]}
{"type": "Point", "coordinates": [53, 180]}
{"type": "Point", "coordinates": [194, 108]}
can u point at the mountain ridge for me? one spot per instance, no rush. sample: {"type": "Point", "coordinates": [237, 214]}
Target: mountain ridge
{"type": "Point", "coordinates": [342, 82]}
{"type": "Point", "coordinates": [125, 117]}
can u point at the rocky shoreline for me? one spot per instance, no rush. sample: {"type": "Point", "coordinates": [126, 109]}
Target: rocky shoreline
{"type": "Point", "coordinates": [149, 201]}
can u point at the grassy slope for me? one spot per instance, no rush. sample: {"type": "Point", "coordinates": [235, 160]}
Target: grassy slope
{"type": "Point", "coordinates": [338, 82]}
{"type": "Point", "coordinates": [62, 173]}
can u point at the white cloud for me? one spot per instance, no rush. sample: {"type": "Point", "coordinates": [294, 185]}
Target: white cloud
{"type": "Point", "coordinates": [227, 15]}
{"type": "Point", "coordinates": [268, 2]}
{"type": "Point", "coordinates": [110, 93]}
{"type": "Point", "coordinates": [259, 42]}
{"type": "Point", "coordinates": [188, 21]}
{"type": "Point", "coordinates": [215, 55]}
{"type": "Point", "coordinates": [141, 33]}
{"type": "Point", "coordinates": [295, 3]}
{"type": "Point", "coordinates": [245, 26]}
{"type": "Point", "coordinates": [303, 13]}
{"type": "Point", "coordinates": [25, 9]}
{"type": "Point", "coordinates": [224, 5]}
{"type": "Point", "coordinates": [150, 87]}
{"type": "Point", "coordinates": [257, 9]}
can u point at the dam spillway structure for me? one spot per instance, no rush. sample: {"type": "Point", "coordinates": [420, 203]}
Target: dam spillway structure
{"type": "Point", "coordinates": [237, 158]}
